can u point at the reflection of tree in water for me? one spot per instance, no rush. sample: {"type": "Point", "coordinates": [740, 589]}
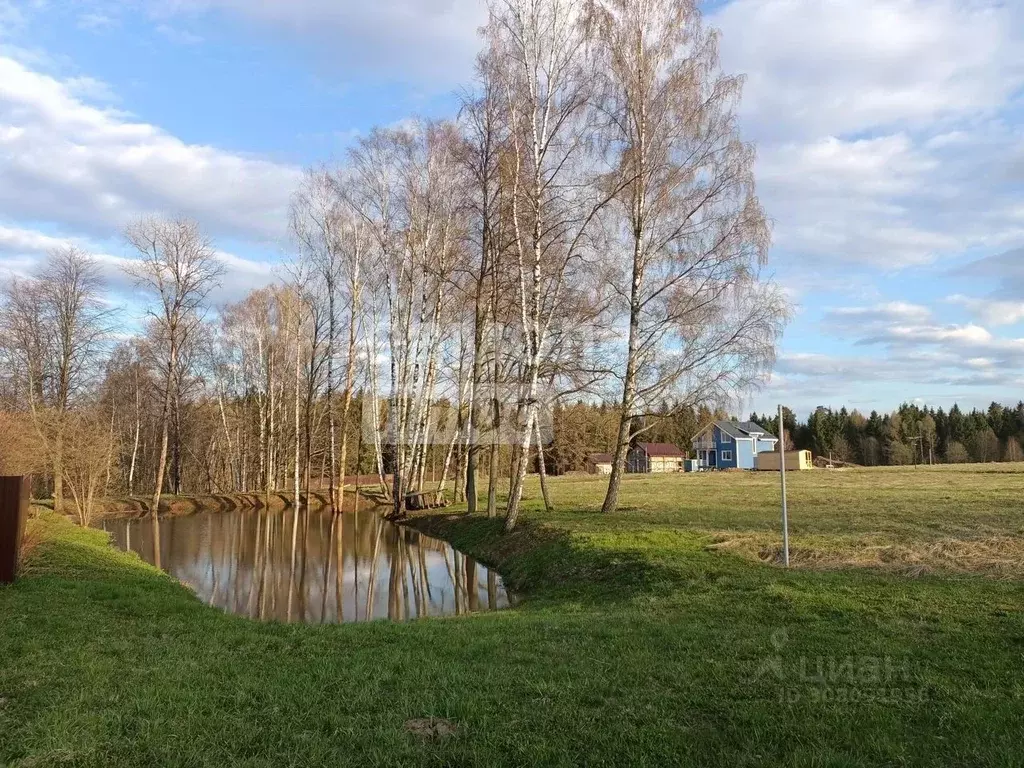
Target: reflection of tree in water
{"type": "Point", "coordinates": [353, 566]}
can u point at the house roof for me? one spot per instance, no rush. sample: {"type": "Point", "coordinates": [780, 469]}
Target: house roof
{"type": "Point", "coordinates": [740, 429]}
{"type": "Point", "coordinates": [661, 449]}
{"type": "Point", "coordinates": [753, 426]}
{"type": "Point", "coordinates": [600, 458]}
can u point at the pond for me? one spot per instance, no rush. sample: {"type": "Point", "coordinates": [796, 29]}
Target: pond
{"type": "Point", "coordinates": [316, 567]}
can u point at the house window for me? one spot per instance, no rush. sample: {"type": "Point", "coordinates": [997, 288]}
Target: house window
{"type": "Point", "coordinates": [726, 455]}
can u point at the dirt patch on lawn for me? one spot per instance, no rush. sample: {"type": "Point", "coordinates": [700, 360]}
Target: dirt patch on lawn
{"type": "Point", "coordinates": [430, 728]}
{"type": "Point", "coordinates": [1000, 557]}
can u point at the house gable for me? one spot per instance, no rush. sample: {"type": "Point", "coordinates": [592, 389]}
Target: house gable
{"type": "Point", "coordinates": [728, 444]}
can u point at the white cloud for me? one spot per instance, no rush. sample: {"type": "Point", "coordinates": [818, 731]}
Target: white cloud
{"type": "Point", "coordinates": [66, 161]}
{"type": "Point", "coordinates": [19, 241]}
{"type": "Point", "coordinates": [814, 365]}
{"type": "Point", "coordinates": [937, 376]}
{"type": "Point", "coordinates": [973, 336]}
{"type": "Point", "coordinates": [1006, 269]}
{"type": "Point", "coordinates": [857, 319]}
{"type": "Point", "coordinates": [429, 41]}
{"type": "Point", "coordinates": [95, 22]}
{"type": "Point", "coordinates": [991, 311]}
{"type": "Point", "coordinates": [880, 124]}
{"type": "Point", "coordinates": [892, 201]}
{"type": "Point", "coordinates": [902, 350]}
{"type": "Point", "coordinates": [830, 68]}
{"type": "Point", "coordinates": [178, 36]}
{"type": "Point", "coordinates": [980, 362]}
{"type": "Point", "coordinates": [21, 251]}
{"type": "Point", "coordinates": [906, 332]}
{"type": "Point", "coordinates": [886, 165]}
{"type": "Point", "coordinates": [90, 89]}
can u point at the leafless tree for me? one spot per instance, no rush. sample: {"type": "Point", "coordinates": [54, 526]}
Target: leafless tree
{"type": "Point", "coordinates": [687, 231]}
{"type": "Point", "coordinates": [405, 185]}
{"type": "Point", "coordinates": [587, 225]}
{"type": "Point", "coordinates": [316, 215]}
{"type": "Point", "coordinates": [178, 265]}
{"type": "Point", "coordinates": [57, 327]}
{"type": "Point", "coordinates": [546, 66]}
{"type": "Point", "coordinates": [335, 242]}
{"type": "Point", "coordinates": [484, 148]}
{"type": "Point", "coordinates": [86, 465]}
{"type": "Point", "coordinates": [125, 379]}
{"type": "Point", "coordinates": [354, 249]}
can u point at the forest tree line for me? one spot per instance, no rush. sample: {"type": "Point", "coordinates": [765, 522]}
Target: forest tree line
{"type": "Point", "coordinates": [585, 227]}
{"type": "Point", "coordinates": [910, 434]}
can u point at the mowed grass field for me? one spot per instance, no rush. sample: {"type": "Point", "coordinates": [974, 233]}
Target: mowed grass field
{"type": "Point", "coordinates": [948, 518]}
{"type": "Point", "coordinates": [661, 635]}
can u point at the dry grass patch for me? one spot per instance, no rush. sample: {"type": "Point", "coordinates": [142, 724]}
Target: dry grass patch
{"type": "Point", "coordinates": [31, 537]}
{"type": "Point", "coordinates": [1000, 557]}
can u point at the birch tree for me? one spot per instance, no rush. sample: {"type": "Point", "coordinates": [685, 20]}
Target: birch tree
{"type": "Point", "coordinates": [354, 249]}
{"type": "Point", "coordinates": [316, 222]}
{"type": "Point", "coordinates": [688, 233]}
{"type": "Point", "coordinates": [483, 150]}
{"type": "Point", "coordinates": [335, 242]}
{"type": "Point", "coordinates": [547, 80]}
{"type": "Point", "coordinates": [178, 265]}
{"type": "Point", "coordinates": [406, 186]}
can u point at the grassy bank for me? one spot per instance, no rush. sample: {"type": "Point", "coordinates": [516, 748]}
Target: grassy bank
{"type": "Point", "coordinates": [944, 519]}
{"type": "Point", "coordinates": [640, 642]}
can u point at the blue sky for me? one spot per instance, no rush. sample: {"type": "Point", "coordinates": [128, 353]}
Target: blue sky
{"type": "Point", "coordinates": [890, 136]}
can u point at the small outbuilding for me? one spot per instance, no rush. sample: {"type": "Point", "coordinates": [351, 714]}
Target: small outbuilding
{"type": "Point", "coordinates": [599, 463]}
{"type": "Point", "coordinates": [795, 461]}
{"type": "Point", "coordinates": [655, 457]}
{"type": "Point", "coordinates": [732, 444]}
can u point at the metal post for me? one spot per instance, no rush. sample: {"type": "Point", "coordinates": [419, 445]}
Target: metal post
{"type": "Point", "coordinates": [782, 474]}
{"type": "Point", "coordinates": [13, 511]}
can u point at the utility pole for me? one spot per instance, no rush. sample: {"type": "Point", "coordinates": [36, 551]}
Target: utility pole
{"type": "Point", "coordinates": [782, 475]}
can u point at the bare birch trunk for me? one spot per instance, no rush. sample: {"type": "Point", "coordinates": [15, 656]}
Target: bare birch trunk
{"type": "Point", "coordinates": [135, 443]}
{"type": "Point", "coordinates": [110, 452]}
{"type": "Point", "coordinates": [57, 446]}
{"type": "Point", "coordinates": [626, 405]}
{"type": "Point", "coordinates": [298, 431]}
{"type": "Point", "coordinates": [333, 484]}
{"type": "Point", "coordinates": [297, 503]}
{"type": "Point", "coordinates": [541, 468]}
{"type": "Point", "coordinates": [164, 417]}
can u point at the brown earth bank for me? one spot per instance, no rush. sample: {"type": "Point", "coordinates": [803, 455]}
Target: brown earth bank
{"type": "Point", "coordinates": [175, 506]}
{"type": "Point", "coordinates": [187, 504]}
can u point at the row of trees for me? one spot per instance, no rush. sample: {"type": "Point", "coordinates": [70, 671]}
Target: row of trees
{"type": "Point", "coordinates": [911, 434]}
{"type": "Point", "coordinates": [586, 227]}
{"type": "Point", "coordinates": [908, 435]}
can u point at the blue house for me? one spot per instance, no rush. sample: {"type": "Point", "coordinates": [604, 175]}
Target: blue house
{"type": "Point", "coordinates": [732, 444]}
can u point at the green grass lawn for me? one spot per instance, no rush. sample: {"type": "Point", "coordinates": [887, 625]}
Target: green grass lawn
{"type": "Point", "coordinates": [945, 518]}
{"type": "Point", "coordinates": [645, 639]}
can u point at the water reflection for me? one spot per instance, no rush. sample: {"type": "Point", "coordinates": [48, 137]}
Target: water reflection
{"type": "Point", "coordinates": [313, 567]}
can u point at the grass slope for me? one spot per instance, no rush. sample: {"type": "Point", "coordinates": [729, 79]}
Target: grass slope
{"type": "Point", "coordinates": [637, 645]}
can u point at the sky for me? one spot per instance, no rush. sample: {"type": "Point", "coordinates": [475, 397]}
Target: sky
{"type": "Point", "coordinates": [890, 138]}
